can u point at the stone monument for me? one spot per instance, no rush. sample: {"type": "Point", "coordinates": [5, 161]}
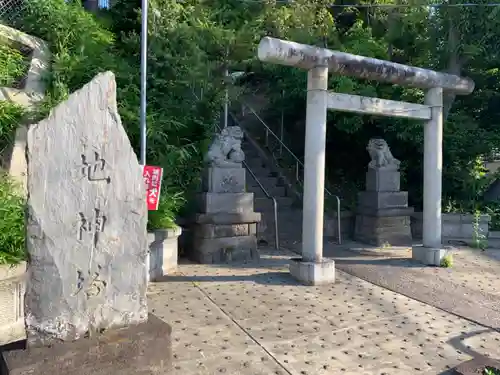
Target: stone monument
{"type": "Point", "coordinates": [87, 216]}
{"type": "Point", "coordinates": [383, 216]}
{"type": "Point", "coordinates": [226, 224]}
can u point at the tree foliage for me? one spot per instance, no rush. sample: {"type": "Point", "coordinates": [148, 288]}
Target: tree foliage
{"type": "Point", "coordinates": [459, 40]}
{"type": "Point", "coordinates": [192, 42]}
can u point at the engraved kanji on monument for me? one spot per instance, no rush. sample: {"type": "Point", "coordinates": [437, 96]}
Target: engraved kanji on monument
{"type": "Point", "coordinates": [87, 216]}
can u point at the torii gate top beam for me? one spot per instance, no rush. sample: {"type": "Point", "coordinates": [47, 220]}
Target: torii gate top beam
{"type": "Point", "coordinates": [283, 52]}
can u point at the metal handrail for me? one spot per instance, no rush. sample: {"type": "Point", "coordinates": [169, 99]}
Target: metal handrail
{"type": "Point", "coordinates": [297, 161]}
{"type": "Point", "coordinates": [275, 203]}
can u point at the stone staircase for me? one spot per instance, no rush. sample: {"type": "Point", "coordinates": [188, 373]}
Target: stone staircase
{"type": "Point", "coordinates": [267, 172]}
{"type": "Point", "coordinates": [289, 211]}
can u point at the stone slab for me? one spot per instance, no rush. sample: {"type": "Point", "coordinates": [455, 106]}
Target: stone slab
{"type": "Point", "coordinates": [385, 212]}
{"type": "Point", "coordinates": [224, 180]}
{"type": "Point", "coordinates": [86, 220]}
{"type": "Point", "coordinates": [379, 200]}
{"type": "Point", "coordinates": [383, 180]}
{"type": "Point", "coordinates": [143, 349]}
{"type": "Point", "coordinates": [224, 250]}
{"type": "Point", "coordinates": [224, 230]}
{"type": "Point", "coordinates": [394, 231]}
{"type": "Point", "coordinates": [228, 218]}
{"type": "Point", "coordinates": [455, 226]}
{"type": "Point", "coordinates": [313, 273]}
{"type": "Point", "coordinates": [225, 202]}
{"type": "Point", "coordinates": [476, 366]}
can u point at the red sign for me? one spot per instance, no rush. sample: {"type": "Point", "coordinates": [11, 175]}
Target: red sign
{"type": "Point", "coordinates": [152, 178]}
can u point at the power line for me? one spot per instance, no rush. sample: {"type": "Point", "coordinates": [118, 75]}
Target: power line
{"type": "Point", "coordinates": [464, 5]}
{"type": "Point", "coordinates": [417, 5]}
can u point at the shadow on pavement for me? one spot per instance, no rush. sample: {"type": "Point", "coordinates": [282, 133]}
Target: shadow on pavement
{"type": "Point", "coordinates": [345, 256]}
{"type": "Point", "coordinates": [267, 278]}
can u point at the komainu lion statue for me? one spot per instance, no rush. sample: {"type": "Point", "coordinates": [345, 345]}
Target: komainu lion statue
{"type": "Point", "coordinates": [381, 155]}
{"type": "Point", "coordinates": [225, 150]}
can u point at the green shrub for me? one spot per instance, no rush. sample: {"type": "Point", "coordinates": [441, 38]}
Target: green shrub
{"type": "Point", "coordinates": [12, 228]}
{"type": "Point", "coordinates": [10, 117]}
{"type": "Point", "coordinates": [13, 65]}
{"type": "Point", "coordinates": [447, 261]}
{"type": "Point", "coordinates": [83, 46]}
{"type": "Point", "coordinates": [164, 217]}
{"type": "Point", "coordinates": [80, 47]}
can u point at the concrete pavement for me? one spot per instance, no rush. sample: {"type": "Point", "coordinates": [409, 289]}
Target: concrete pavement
{"type": "Point", "coordinates": [255, 319]}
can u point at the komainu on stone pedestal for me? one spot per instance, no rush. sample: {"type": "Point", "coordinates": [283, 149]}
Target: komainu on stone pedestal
{"type": "Point", "coordinates": [86, 226]}
{"type": "Point", "coordinates": [225, 151]}
{"type": "Point", "coordinates": [225, 226]}
{"type": "Point", "coordinates": [383, 216]}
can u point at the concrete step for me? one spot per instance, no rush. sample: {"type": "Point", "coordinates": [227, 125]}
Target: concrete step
{"type": "Point", "coordinates": [275, 191]}
{"type": "Point", "coordinates": [266, 205]}
{"type": "Point", "coordinates": [252, 157]}
{"type": "Point", "coordinates": [267, 182]}
{"type": "Point", "coordinates": [257, 166]}
{"type": "Point", "coordinates": [261, 172]}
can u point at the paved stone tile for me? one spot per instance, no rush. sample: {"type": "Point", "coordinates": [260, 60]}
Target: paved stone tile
{"type": "Point", "coordinates": [256, 319]}
{"type": "Point", "coordinates": [471, 288]}
{"type": "Point", "coordinates": [205, 342]}
{"type": "Point", "coordinates": [256, 363]}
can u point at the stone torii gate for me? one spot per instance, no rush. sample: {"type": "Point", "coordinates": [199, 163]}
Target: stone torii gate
{"type": "Point", "coordinates": [312, 268]}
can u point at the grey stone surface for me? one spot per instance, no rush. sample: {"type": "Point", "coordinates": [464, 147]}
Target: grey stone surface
{"type": "Point", "coordinates": [144, 349]}
{"type": "Point", "coordinates": [224, 180]}
{"type": "Point", "coordinates": [428, 256]}
{"type": "Point", "coordinates": [163, 252]}
{"type": "Point", "coordinates": [313, 273]}
{"type": "Point", "coordinates": [389, 230]}
{"type": "Point", "coordinates": [225, 202]}
{"type": "Point", "coordinates": [383, 180]}
{"type": "Point", "coordinates": [386, 212]}
{"type": "Point", "coordinates": [225, 249]}
{"type": "Point", "coordinates": [383, 200]}
{"type": "Point", "coordinates": [225, 150]}
{"type": "Point", "coordinates": [228, 218]}
{"type": "Point", "coordinates": [226, 230]}
{"type": "Point", "coordinates": [455, 226]}
{"type": "Point", "coordinates": [87, 216]}
{"type": "Point", "coordinates": [381, 156]}
{"type": "Point", "coordinates": [383, 215]}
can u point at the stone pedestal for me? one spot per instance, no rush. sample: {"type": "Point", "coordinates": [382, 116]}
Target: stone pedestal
{"type": "Point", "coordinates": [145, 348]}
{"type": "Point", "coordinates": [163, 252]}
{"type": "Point", "coordinates": [225, 228]}
{"type": "Point", "coordinates": [383, 216]}
{"type": "Point", "coordinates": [12, 288]}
